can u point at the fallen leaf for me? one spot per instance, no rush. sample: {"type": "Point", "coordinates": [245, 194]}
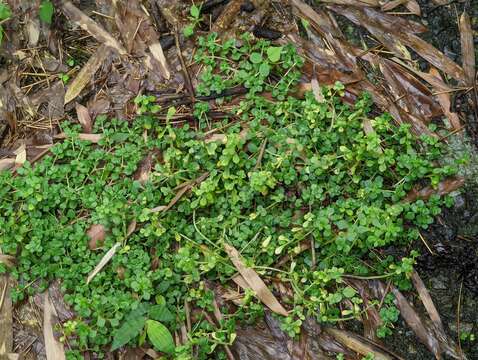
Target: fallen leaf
{"type": "Point", "coordinates": [6, 317]}
{"type": "Point", "coordinates": [317, 91]}
{"type": "Point", "coordinates": [444, 100]}
{"type": "Point", "coordinates": [84, 118]}
{"type": "Point", "coordinates": [390, 5]}
{"type": "Point", "coordinates": [21, 155]}
{"type": "Point", "coordinates": [54, 349]}
{"type": "Point", "coordinates": [97, 234]}
{"type": "Point", "coordinates": [6, 164]}
{"type": "Point", "coordinates": [86, 73]}
{"type": "Point", "coordinates": [94, 138]}
{"type": "Point", "coordinates": [255, 282]}
{"type": "Point", "coordinates": [158, 54]}
{"type": "Point", "coordinates": [413, 7]}
{"type": "Point", "coordinates": [467, 49]}
{"type": "Point", "coordinates": [106, 258]}
{"type": "Point", "coordinates": [444, 187]}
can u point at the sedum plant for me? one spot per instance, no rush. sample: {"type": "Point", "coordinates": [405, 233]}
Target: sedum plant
{"type": "Point", "coordinates": [281, 176]}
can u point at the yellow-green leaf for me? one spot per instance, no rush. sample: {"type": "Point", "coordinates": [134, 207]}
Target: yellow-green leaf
{"type": "Point", "coordinates": [160, 336]}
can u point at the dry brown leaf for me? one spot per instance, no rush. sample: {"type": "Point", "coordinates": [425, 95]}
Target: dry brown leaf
{"type": "Point", "coordinates": [131, 228]}
{"type": "Point", "coordinates": [353, 2]}
{"type": "Point", "coordinates": [106, 258]}
{"type": "Point", "coordinates": [84, 118]}
{"type": "Point", "coordinates": [255, 282]}
{"type": "Point", "coordinates": [390, 5]}
{"type": "Point", "coordinates": [445, 103]}
{"type": "Point", "coordinates": [467, 49]}
{"type": "Point", "coordinates": [357, 344]}
{"type": "Point", "coordinates": [414, 7]}
{"type": "Point", "coordinates": [445, 187]}
{"type": "Point", "coordinates": [6, 164]}
{"type": "Point", "coordinates": [53, 348]}
{"type": "Point", "coordinates": [316, 90]}
{"type": "Point", "coordinates": [86, 23]}
{"type": "Point", "coordinates": [428, 302]}
{"type": "Point", "coordinates": [97, 234]}
{"type": "Point", "coordinates": [86, 73]}
{"type": "Point", "coordinates": [319, 20]}
{"type": "Point", "coordinates": [8, 260]}
{"type": "Point", "coordinates": [158, 54]}
{"type": "Point", "coordinates": [21, 155]}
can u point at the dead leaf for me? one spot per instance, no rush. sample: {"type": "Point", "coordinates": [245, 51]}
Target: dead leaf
{"type": "Point", "coordinates": [21, 155]}
{"type": "Point", "coordinates": [131, 228]}
{"type": "Point", "coordinates": [444, 100]}
{"type": "Point", "coordinates": [86, 73]}
{"type": "Point", "coordinates": [54, 349]}
{"type": "Point", "coordinates": [97, 234]}
{"type": "Point", "coordinates": [467, 49]}
{"type": "Point", "coordinates": [86, 23]}
{"type": "Point", "coordinates": [353, 2]}
{"type": "Point", "coordinates": [8, 260]}
{"type": "Point", "coordinates": [357, 344]}
{"type": "Point", "coordinates": [106, 258]}
{"type": "Point", "coordinates": [157, 52]}
{"type": "Point", "coordinates": [413, 7]}
{"type": "Point", "coordinates": [84, 118]}
{"type": "Point", "coordinates": [445, 187]}
{"type": "Point", "coordinates": [316, 90]}
{"type": "Point", "coordinates": [390, 5]}
{"type": "Point", "coordinates": [6, 164]}
{"type": "Point", "coordinates": [255, 282]}
{"type": "Point", "coordinates": [6, 317]}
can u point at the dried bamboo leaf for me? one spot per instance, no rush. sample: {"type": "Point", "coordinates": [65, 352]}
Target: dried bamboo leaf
{"type": "Point", "coordinates": [445, 187]}
{"type": "Point", "coordinates": [86, 73]}
{"type": "Point", "coordinates": [94, 138]}
{"type": "Point", "coordinates": [318, 19]}
{"type": "Point", "coordinates": [91, 26]}
{"type": "Point", "coordinates": [428, 302]}
{"type": "Point", "coordinates": [158, 54]}
{"type": "Point", "coordinates": [54, 349]}
{"type": "Point", "coordinates": [444, 100]}
{"type": "Point", "coordinates": [21, 155]}
{"type": "Point", "coordinates": [6, 317]}
{"type": "Point", "coordinates": [375, 3]}
{"type": "Point", "coordinates": [390, 5]}
{"type": "Point", "coordinates": [255, 282]}
{"type": "Point", "coordinates": [356, 344]}
{"type": "Point", "coordinates": [6, 164]}
{"type": "Point", "coordinates": [414, 7]}
{"type": "Point", "coordinates": [416, 324]}
{"type": "Point", "coordinates": [8, 260]}
{"type": "Point", "coordinates": [316, 90]}
{"type": "Point", "coordinates": [467, 49]}
{"type": "Point", "coordinates": [106, 258]}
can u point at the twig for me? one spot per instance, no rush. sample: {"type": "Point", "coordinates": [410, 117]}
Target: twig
{"type": "Point", "coordinates": [187, 77]}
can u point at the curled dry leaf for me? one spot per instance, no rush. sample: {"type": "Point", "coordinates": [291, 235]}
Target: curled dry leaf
{"type": "Point", "coordinates": [255, 282]}
{"type": "Point", "coordinates": [97, 234]}
{"type": "Point", "coordinates": [106, 258]}
{"type": "Point", "coordinates": [84, 118]}
{"type": "Point", "coordinates": [444, 100]}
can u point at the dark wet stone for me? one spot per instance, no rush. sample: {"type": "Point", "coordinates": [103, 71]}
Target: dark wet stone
{"type": "Point", "coordinates": [266, 33]}
{"type": "Point", "coordinates": [247, 6]}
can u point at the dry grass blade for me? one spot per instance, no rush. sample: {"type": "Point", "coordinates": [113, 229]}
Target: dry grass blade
{"type": "Point", "coordinates": [354, 2]}
{"type": "Point", "coordinates": [356, 344]}
{"type": "Point", "coordinates": [255, 282]}
{"type": "Point", "coordinates": [86, 73]}
{"type": "Point", "coordinates": [84, 118]}
{"type": "Point", "coordinates": [89, 25]}
{"type": "Point", "coordinates": [427, 302]}
{"type": "Point", "coordinates": [106, 258]}
{"type": "Point", "coordinates": [54, 349]}
{"type": "Point", "coordinates": [467, 49]}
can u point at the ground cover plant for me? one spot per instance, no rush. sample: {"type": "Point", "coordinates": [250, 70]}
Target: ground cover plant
{"type": "Point", "coordinates": [310, 180]}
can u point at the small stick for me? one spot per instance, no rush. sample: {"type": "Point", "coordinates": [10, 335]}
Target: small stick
{"type": "Point", "coordinates": [426, 244]}
{"type": "Point", "coordinates": [189, 83]}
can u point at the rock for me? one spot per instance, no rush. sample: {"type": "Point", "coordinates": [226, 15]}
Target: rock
{"type": "Point", "coordinates": [439, 282]}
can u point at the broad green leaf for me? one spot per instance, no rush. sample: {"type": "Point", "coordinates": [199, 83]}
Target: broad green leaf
{"type": "Point", "coordinates": [131, 327]}
{"type": "Point", "coordinates": [195, 11]}
{"type": "Point", "coordinates": [256, 58]}
{"type": "Point", "coordinates": [160, 336]}
{"type": "Point", "coordinates": [349, 292]}
{"type": "Point", "coordinates": [188, 30]}
{"type": "Point", "coordinates": [46, 11]}
{"type": "Point", "coordinates": [5, 11]}
{"type": "Point", "coordinates": [273, 53]}
{"type": "Point", "coordinates": [161, 313]}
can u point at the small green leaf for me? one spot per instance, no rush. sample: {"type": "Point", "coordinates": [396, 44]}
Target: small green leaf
{"type": "Point", "coordinates": [256, 58]}
{"type": "Point", "coordinates": [195, 12]}
{"type": "Point", "coordinates": [349, 292]}
{"type": "Point", "coordinates": [160, 336]}
{"type": "Point", "coordinates": [46, 11]}
{"type": "Point", "coordinates": [264, 69]}
{"type": "Point", "coordinates": [274, 53]}
{"type": "Point", "coordinates": [5, 11]}
{"type": "Point", "coordinates": [188, 30]}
